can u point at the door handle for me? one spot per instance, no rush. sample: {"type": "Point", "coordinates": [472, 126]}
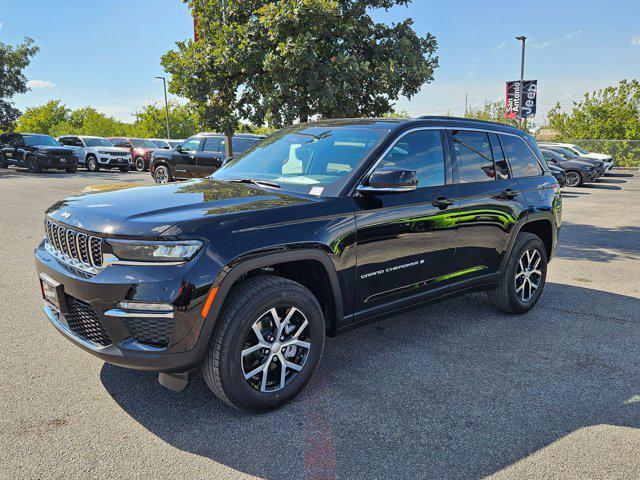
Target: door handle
{"type": "Point", "coordinates": [510, 193]}
{"type": "Point", "coordinates": [442, 202]}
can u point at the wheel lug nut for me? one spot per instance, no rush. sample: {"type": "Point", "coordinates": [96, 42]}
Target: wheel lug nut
{"type": "Point", "coordinates": [282, 338]}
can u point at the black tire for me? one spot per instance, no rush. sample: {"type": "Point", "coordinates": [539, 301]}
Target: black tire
{"type": "Point", "coordinates": [223, 368]}
{"type": "Point", "coordinates": [574, 179]}
{"type": "Point", "coordinates": [124, 169]}
{"type": "Point", "coordinates": [162, 174]}
{"type": "Point", "coordinates": [3, 162]}
{"type": "Point", "coordinates": [140, 164]}
{"type": "Point", "coordinates": [71, 169]}
{"type": "Point", "coordinates": [33, 166]}
{"type": "Point", "coordinates": [506, 297]}
{"type": "Point", "coordinates": [92, 163]}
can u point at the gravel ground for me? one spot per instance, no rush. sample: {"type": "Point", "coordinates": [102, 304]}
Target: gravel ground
{"type": "Point", "coordinates": [453, 390]}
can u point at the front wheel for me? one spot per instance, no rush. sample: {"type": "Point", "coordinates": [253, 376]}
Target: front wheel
{"type": "Point", "coordinates": [524, 277]}
{"type": "Point", "coordinates": [3, 162]}
{"type": "Point", "coordinates": [124, 169]}
{"type": "Point", "coordinates": [574, 179]}
{"type": "Point", "coordinates": [267, 344]}
{"type": "Point", "coordinates": [140, 164]}
{"type": "Point", "coordinates": [71, 169]}
{"type": "Point", "coordinates": [33, 166]}
{"type": "Point", "coordinates": [92, 164]}
{"type": "Point", "coordinates": [161, 174]}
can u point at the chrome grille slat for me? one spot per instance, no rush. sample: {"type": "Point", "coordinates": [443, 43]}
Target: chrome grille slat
{"type": "Point", "coordinates": [75, 248]}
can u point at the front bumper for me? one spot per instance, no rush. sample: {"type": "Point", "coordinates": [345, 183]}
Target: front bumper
{"type": "Point", "coordinates": [608, 165]}
{"type": "Point", "coordinates": [112, 162]}
{"type": "Point", "coordinates": [59, 163]}
{"type": "Point", "coordinates": [102, 292]}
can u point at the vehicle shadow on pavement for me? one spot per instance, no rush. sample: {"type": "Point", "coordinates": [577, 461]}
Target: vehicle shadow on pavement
{"type": "Point", "coordinates": [600, 244]}
{"type": "Point", "coordinates": [453, 390]}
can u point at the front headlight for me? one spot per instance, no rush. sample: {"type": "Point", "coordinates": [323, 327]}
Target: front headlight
{"type": "Point", "coordinates": [142, 251]}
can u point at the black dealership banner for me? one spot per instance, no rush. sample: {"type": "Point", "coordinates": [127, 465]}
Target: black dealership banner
{"type": "Point", "coordinates": [530, 94]}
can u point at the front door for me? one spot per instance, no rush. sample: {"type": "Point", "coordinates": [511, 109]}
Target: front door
{"type": "Point", "coordinates": [406, 241]}
{"type": "Point", "coordinates": [490, 203]}
{"type": "Point", "coordinates": [185, 162]}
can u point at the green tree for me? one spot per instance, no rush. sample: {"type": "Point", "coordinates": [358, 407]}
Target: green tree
{"type": "Point", "coordinates": [286, 60]}
{"type": "Point", "coordinates": [609, 113]}
{"type": "Point", "coordinates": [13, 61]}
{"type": "Point", "coordinates": [491, 112]}
{"type": "Point", "coordinates": [88, 121]}
{"type": "Point", "coordinates": [151, 121]}
{"type": "Point", "coordinates": [43, 119]}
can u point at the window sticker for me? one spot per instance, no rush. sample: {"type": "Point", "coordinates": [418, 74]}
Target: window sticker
{"type": "Point", "coordinates": [316, 191]}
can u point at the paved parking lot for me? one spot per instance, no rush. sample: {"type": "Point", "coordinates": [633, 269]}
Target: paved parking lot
{"type": "Point", "coordinates": [453, 390]}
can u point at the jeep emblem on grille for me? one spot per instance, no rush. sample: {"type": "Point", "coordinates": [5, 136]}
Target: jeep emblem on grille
{"type": "Point", "coordinates": [65, 215]}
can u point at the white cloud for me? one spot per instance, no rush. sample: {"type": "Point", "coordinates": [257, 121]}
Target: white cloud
{"type": "Point", "coordinates": [569, 36]}
{"type": "Point", "coordinates": [40, 84]}
{"type": "Point", "coordinates": [635, 40]}
{"type": "Point", "coordinates": [501, 46]}
{"type": "Point", "coordinates": [470, 74]}
{"type": "Point", "coordinates": [540, 46]}
{"type": "Point", "coordinates": [1, 25]}
{"type": "Point", "coordinates": [475, 59]}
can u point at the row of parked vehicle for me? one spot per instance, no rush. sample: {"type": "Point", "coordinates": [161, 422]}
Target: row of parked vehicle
{"type": "Point", "coordinates": [170, 160]}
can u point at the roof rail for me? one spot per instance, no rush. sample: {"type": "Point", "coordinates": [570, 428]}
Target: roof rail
{"type": "Point", "coordinates": [461, 119]}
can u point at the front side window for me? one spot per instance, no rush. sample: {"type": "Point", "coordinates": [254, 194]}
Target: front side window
{"type": "Point", "coordinates": [211, 144]}
{"type": "Point", "coordinates": [40, 141]}
{"type": "Point", "coordinates": [521, 158]}
{"type": "Point", "coordinates": [473, 153]}
{"type": "Point", "coordinates": [421, 151]}
{"type": "Point", "coordinates": [317, 159]}
{"type": "Point", "coordinates": [191, 145]}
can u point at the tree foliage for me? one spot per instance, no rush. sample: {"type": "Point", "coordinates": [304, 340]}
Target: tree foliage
{"type": "Point", "coordinates": [151, 121]}
{"type": "Point", "coordinates": [491, 112]}
{"type": "Point", "coordinates": [13, 61]}
{"type": "Point", "coordinates": [43, 119]}
{"type": "Point", "coordinates": [280, 61]}
{"type": "Point", "coordinates": [609, 113]}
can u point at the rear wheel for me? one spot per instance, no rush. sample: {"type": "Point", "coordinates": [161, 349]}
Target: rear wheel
{"type": "Point", "coordinates": [71, 169]}
{"type": "Point", "coordinates": [92, 164]}
{"type": "Point", "coordinates": [524, 276]}
{"type": "Point", "coordinates": [574, 179]}
{"type": "Point", "coordinates": [267, 344]}
{"type": "Point", "coordinates": [161, 174]}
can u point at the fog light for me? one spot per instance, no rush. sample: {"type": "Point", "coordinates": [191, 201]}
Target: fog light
{"type": "Point", "coordinates": [154, 307]}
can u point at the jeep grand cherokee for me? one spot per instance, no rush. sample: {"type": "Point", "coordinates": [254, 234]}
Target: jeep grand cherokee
{"type": "Point", "coordinates": [318, 229]}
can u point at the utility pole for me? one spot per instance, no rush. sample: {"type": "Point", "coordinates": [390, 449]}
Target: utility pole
{"type": "Point", "coordinates": [523, 39]}
{"type": "Point", "coordinates": [166, 104]}
{"type": "Point", "coordinates": [466, 104]}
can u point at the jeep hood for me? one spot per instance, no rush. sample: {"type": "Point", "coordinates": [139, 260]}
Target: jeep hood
{"type": "Point", "coordinates": [150, 210]}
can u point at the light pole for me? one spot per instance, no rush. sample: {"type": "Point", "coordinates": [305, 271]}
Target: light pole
{"type": "Point", "coordinates": [166, 104]}
{"type": "Point", "coordinates": [523, 39]}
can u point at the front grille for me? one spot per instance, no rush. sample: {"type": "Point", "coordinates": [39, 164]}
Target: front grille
{"type": "Point", "coordinates": [155, 331]}
{"type": "Point", "coordinates": [60, 153]}
{"type": "Point", "coordinates": [83, 321]}
{"type": "Point", "coordinates": [118, 154]}
{"type": "Point", "coordinates": [81, 249]}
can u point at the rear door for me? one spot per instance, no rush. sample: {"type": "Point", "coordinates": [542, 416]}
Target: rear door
{"type": "Point", "coordinates": [406, 241]}
{"type": "Point", "coordinates": [491, 202]}
{"type": "Point", "coordinates": [210, 157]}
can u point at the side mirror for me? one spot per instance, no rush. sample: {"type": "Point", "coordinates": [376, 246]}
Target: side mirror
{"type": "Point", "coordinates": [390, 180]}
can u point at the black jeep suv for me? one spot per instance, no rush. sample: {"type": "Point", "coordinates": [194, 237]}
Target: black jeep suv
{"type": "Point", "coordinates": [318, 229]}
{"type": "Point", "coordinates": [197, 157]}
{"type": "Point", "coordinates": [35, 152]}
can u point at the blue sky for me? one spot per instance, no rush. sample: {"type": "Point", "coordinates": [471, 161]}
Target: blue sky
{"type": "Point", "coordinates": [105, 53]}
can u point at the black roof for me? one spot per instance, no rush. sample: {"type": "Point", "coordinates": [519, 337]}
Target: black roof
{"type": "Point", "coordinates": [240, 135]}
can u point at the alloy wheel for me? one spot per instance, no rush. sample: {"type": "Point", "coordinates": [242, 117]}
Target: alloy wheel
{"type": "Point", "coordinates": [91, 164]}
{"type": "Point", "coordinates": [276, 349]}
{"type": "Point", "coordinates": [573, 179]}
{"type": "Point", "coordinates": [161, 175]}
{"type": "Point", "coordinates": [140, 164]}
{"type": "Point", "coordinates": [528, 275]}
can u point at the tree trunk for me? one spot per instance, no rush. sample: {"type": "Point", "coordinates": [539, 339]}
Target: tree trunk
{"type": "Point", "coordinates": [228, 146]}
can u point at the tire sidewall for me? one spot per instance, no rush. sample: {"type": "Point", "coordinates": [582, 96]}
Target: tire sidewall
{"type": "Point", "coordinates": [136, 163]}
{"type": "Point", "coordinates": [91, 160]}
{"type": "Point", "coordinates": [231, 373]}
{"type": "Point", "coordinates": [579, 182]}
{"type": "Point", "coordinates": [518, 305]}
{"type": "Point", "coordinates": [168, 174]}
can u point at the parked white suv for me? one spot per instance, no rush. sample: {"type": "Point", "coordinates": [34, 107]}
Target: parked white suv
{"type": "Point", "coordinates": [97, 152]}
{"type": "Point", "coordinates": [606, 159]}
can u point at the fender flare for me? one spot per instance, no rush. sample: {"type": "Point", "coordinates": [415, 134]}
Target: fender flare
{"type": "Point", "coordinates": [225, 281]}
{"type": "Point", "coordinates": [514, 234]}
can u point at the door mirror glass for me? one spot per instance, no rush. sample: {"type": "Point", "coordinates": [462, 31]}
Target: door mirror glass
{"type": "Point", "coordinates": [390, 180]}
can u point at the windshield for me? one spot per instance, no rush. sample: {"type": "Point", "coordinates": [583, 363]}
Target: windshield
{"type": "Point", "coordinates": [580, 150]}
{"type": "Point", "coordinates": [142, 143]}
{"type": "Point", "coordinates": [566, 153]}
{"type": "Point", "coordinates": [307, 159]}
{"type": "Point", "coordinates": [40, 140]}
{"type": "Point", "coordinates": [97, 142]}
{"type": "Point", "coordinates": [174, 143]}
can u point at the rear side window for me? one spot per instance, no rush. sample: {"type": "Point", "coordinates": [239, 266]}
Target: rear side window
{"type": "Point", "coordinates": [473, 153]}
{"type": "Point", "coordinates": [241, 144]}
{"type": "Point", "coordinates": [211, 144]}
{"type": "Point", "coordinates": [520, 156]}
{"type": "Point", "coordinates": [502, 168]}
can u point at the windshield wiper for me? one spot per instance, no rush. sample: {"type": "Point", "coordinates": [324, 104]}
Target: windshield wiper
{"type": "Point", "coordinates": [260, 183]}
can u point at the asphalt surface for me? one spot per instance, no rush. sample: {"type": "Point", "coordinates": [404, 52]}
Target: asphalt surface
{"type": "Point", "coordinates": [454, 390]}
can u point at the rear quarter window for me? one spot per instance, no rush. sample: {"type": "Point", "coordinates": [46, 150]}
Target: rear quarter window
{"type": "Point", "coordinates": [520, 157]}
